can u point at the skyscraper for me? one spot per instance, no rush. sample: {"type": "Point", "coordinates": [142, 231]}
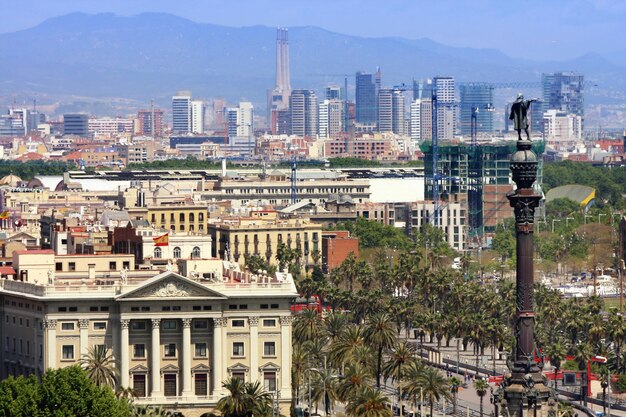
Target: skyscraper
{"type": "Point", "coordinates": [421, 120]}
{"type": "Point", "coordinates": [476, 97]}
{"type": "Point", "coordinates": [181, 112]}
{"type": "Point", "coordinates": [332, 93]}
{"type": "Point", "coordinates": [303, 112]}
{"type": "Point", "coordinates": [423, 89]}
{"type": "Point", "coordinates": [150, 120]}
{"type": "Point", "coordinates": [330, 117]}
{"type": "Point", "coordinates": [446, 107]}
{"type": "Point", "coordinates": [391, 110]}
{"type": "Point", "coordinates": [563, 91]}
{"type": "Point", "coordinates": [240, 119]}
{"type": "Point", "coordinates": [278, 97]}
{"type": "Point", "coordinates": [198, 111]}
{"type": "Point", "coordinates": [367, 86]}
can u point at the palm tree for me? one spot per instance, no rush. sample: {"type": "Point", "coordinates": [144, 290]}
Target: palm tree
{"type": "Point", "coordinates": [556, 352]}
{"type": "Point", "coordinates": [454, 383]}
{"type": "Point", "coordinates": [100, 366]}
{"type": "Point", "coordinates": [299, 365]}
{"type": "Point", "coordinates": [342, 350]}
{"type": "Point", "coordinates": [397, 364]}
{"type": "Point", "coordinates": [380, 333]}
{"type": "Point", "coordinates": [325, 388]}
{"type": "Point", "coordinates": [369, 403]}
{"type": "Point", "coordinates": [434, 386]}
{"type": "Point", "coordinates": [481, 386]}
{"type": "Point", "coordinates": [412, 384]}
{"type": "Point", "coordinates": [234, 404]}
{"type": "Point", "coordinates": [258, 401]}
{"type": "Point", "coordinates": [307, 325]}
{"type": "Point", "coordinates": [357, 377]}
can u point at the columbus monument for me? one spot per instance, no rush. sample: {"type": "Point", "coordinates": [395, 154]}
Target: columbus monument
{"type": "Point", "coordinates": [524, 391]}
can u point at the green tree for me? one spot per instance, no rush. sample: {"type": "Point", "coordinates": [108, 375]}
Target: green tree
{"type": "Point", "coordinates": [454, 383]}
{"type": "Point", "coordinates": [100, 366]}
{"type": "Point", "coordinates": [561, 207]}
{"type": "Point", "coordinates": [369, 403]}
{"type": "Point", "coordinates": [434, 386]}
{"type": "Point", "coordinates": [481, 386]}
{"type": "Point", "coordinates": [379, 332]}
{"type": "Point", "coordinates": [19, 397]}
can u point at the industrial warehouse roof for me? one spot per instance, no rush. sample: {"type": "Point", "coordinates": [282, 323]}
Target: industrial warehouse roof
{"type": "Point", "coordinates": [581, 194]}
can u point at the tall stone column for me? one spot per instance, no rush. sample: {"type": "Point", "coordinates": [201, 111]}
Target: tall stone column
{"type": "Point", "coordinates": [51, 344]}
{"type": "Point", "coordinates": [524, 391]}
{"type": "Point", "coordinates": [218, 354]}
{"type": "Point", "coordinates": [124, 353]}
{"type": "Point", "coordinates": [186, 353]}
{"type": "Point", "coordinates": [155, 358]}
{"type": "Point", "coordinates": [285, 356]}
{"type": "Point", "coordinates": [84, 337]}
{"type": "Point", "coordinates": [254, 348]}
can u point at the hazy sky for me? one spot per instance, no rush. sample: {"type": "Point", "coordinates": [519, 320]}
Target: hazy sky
{"type": "Point", "coordinates": [535, 29]}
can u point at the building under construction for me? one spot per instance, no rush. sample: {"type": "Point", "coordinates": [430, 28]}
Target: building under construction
{"type": "Point", "coordinates": [477, 176]}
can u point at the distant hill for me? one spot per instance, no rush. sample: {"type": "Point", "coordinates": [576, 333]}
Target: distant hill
{"type": "Point", "coordinates": [155, 54]}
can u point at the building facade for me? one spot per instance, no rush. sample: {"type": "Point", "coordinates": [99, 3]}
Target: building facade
{"type": "Point", "coordinates": [366, 99]}
{"type": "Point", "coordinates": [181, 112]}
{"type": "Point", "coordinates": [303, 113]}
{"type": "Point", "coordinates": [564, 91]}
{"type": "Point", "coordinates": [476, 99]}
{"type": "Point", "coordinates": [330, 117]}
{"type": "Point", "coordinates": [76, 124]}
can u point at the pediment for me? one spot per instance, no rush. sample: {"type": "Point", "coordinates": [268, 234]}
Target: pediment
{"type": "Point", "coordinates": [139, 369]}
{"type": "Point", "coordinates": [270, 366]}
{"type": "Point", "coordinates": [200, 368]}
{"type": "Point", "coordinates": [238, 367]}
{"type": "Point", "coordinates": [170, 285]}
{"type": "Point", "coordinates": [170, 369]}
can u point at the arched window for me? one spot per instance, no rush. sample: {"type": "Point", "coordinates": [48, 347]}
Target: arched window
{"type": "Point", "coordinates": [192, 217]}
{"type": "Point", "coordinates": [177, 252]}
{"type": "Point", "coordinates": [201, 217]}
{"type": "Point", "coordinates": [181, 217]}
{"type": "Point", "coordinates": [196, 252]}
{"type": "Point", "coordinates": [157, 253]}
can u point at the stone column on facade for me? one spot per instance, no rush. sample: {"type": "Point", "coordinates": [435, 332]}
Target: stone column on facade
{"type": "Point", "coordinates": [217, 354]}
{"type": "Point", "coordinates": [186, 354]}
{"type": "Point", "coordinates": [84, 337]}
{"type": "Point", "coordinates": [254, 348]}
{"type": "Point", "coordinates": [155, 359]}
{"type": "Point", "coordinates": [124, 353]}
{"type": "Point", "coordinates": [285, 356]}
{"type": "Point", "coordinates": [51, 343]}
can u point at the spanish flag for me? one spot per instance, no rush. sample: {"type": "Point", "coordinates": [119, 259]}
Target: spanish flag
{"type": "Point", "coordinates": [161, 240]}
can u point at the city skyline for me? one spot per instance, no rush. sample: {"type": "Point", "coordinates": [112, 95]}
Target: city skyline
{"type": "Point", "coordinates": [555, 29]}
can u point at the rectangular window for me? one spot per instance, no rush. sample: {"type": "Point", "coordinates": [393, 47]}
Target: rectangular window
{"type": "Point", "coordinates": [264, 306]}
{"type": "Point", "coordinates": [58, 266]}
{"type": "Point", "coordinates": [170, 350]}
{"type": "Point", "coordinates": [139, 385]}
{"type": "Point", "coordinates": [201, 385]}
{"type": "Point", "coordinates": [269, 349]}
{"type": "Point", "coordinates": [238, 323]}
{"type": "Point", "coordinates": [126, 264]}
{"type": "Point", "coordinates": [232, 306]}
{"type": "Point", "coordinates": [139, 350]}
{"type": "Point", "coordinates": [274, 305]}
{"type": "Point", "coordinates": [238, 349]}
{"type": "Point", "coordinates": [269, 322]}
{"type": "Point", "coordinates": [243, 306]}
{"type": "Point", "coordinates": [200, 324]}
{"type": "Point", "coordinates": [71, 266]}
{"type": "Point", "coordinates": [169, 385]}
{"type": "Point", "coordinates": [200, 350]}
{"type": "Point", "coordinates": [138, 324]}
{"type": "Point", "coordinates": [168, 325]}
{"type": "Point", "coordinates": [67, 326]}
{"type": "Point", "coordinates": [100, 325]}
{"type": "Point", "coordinates": [269, 381]}
{"type": "Point", "coordinates": [112, 266]}
{"type": "Point", "coordinates": [68, 352]}
{"type": "Point", "coordinates": [239, 375]}
{"type": "Point", "coordinates": [73, 309]}
{"type": "Point", "coordinates": [93, 308]}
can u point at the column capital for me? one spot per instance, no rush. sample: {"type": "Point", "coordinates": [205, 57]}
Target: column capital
{"type": "Point", "coordinates": [124, 323]}
{"type": "Point", "coordinates": [83, 323]}
{"type": "Point", "coordinates": [186, 323]}
{"type": "Point", "coordinates": [50, 324]}
{"type": "Point", "coordinates": [219, 322]}
{"type": "Point", "coordinates": [156, 323]}
{"type": "Point", "coordinates": [253, 320]}
{"type": "Point", "coordinates": [285, 320]}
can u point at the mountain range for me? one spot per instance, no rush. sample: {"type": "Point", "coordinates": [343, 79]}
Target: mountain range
{"type": "Point", "coordinates": [153, 55]}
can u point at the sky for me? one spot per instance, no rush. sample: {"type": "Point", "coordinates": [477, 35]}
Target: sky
{"type": "Point", "coordinates": [531, 29]}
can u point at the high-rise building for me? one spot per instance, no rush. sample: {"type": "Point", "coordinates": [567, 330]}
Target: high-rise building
{"type": "Point", "coordinates": [198, 111]}
{"type": "Point", "coordinates": [446, 107]}
{"type": "Point", "coordinates": [303, 112]}
{"type": "Point", "coordinates": [563, 91]}
{"type": "Point", "coordinates": [332, 93]}
{"type": "Point", "coordinates": [423, 89]}
{"type": "Point", "coordinates": [278, 97]}
{"type": "Point", "coordinates": [421, 120]}
{"type": "Point", "coordinates": [150, 122]}
{"type": "Point", "coordinates": [478, 98]}
{"type": "Point", "coordinates": [330, 117]}
{"type": "Point", "coordinates": [76, 124]}
{"type": "Point", "coordinates": [181, 112]}
{"type": "Point", "coordinates": [391, 110]}
{"type": "Point", "coordinates": [367, 86]}
{"type": "Point", "coordinates": [240, 120]}
{"type": "Point", "coordinates": [562, 129]}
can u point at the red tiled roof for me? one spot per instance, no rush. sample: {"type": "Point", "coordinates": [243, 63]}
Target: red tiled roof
{"type": "Point", "coordinates": [7, 270]}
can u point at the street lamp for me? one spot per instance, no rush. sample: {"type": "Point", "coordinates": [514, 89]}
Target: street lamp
{"type": "Point", "coordinates": [585, 216]}
{"type": "Point", "coordinates": [554, 220]}
{"type": "Point", "coordinates": [567, 219]}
